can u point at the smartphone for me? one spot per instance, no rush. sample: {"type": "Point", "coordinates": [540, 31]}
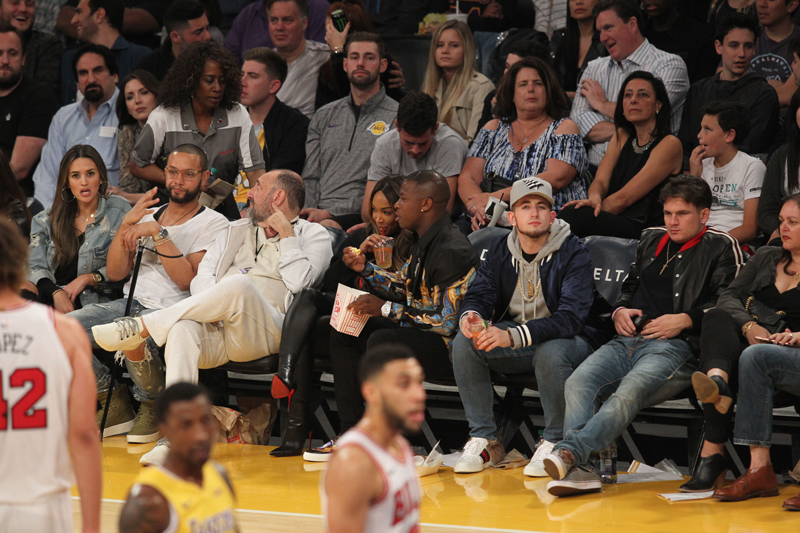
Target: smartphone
{"type": "Point", "coordinates": [763, 339]}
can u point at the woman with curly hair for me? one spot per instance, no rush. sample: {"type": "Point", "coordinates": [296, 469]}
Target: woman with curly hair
{"type": "Point", "coordinates": [199, 104]}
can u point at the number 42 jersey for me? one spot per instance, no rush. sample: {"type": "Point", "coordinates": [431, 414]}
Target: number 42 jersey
{"type": "Point", "coordinates": [35, 378]}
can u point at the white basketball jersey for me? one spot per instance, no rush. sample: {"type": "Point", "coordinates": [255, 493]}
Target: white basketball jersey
{"type": "Point", "coordinates": [397, 509]}
{"type": "Point", "coordinates": [35, 377]}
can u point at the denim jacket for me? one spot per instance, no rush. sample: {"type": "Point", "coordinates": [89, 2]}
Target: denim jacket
{"type": "Point", "coordinates": [91, 256]}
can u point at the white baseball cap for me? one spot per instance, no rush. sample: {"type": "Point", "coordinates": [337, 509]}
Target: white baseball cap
{"type": "Point", "coordinates": [528, 186]}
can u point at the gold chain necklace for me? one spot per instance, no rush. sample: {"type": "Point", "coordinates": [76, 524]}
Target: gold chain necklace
{"type": "Point", "coordinates": [531, 293]}
{"type": "Point", "coordinates": [668, 259]}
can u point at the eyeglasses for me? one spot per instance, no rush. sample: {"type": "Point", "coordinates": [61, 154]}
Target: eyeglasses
{"type": "Point", "coordinates": [188, 174]}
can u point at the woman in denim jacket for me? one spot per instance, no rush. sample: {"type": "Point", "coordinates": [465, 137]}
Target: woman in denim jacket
{"type": "Point", "coordinates": [69, 243]}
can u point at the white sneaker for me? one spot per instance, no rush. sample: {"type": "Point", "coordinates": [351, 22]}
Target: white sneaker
{"type": "Point", "coordinates": [157, 455]}
{"type": "Point", "coordinates": [536, 467]}
{"type": "Point", "coordinates": [122, 334]}
{"type": "Point", "coordinates": [577, 481]}
{"type": "Point", "coordinates": [476, 456]}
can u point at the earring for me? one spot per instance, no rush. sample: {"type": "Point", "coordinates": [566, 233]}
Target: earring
{"type": "Point", "coordinates": [657, 110]}
{"type": "Point", "coordinates": [65, 189]}
{"type": "Point", "coordinates": [421, 210]}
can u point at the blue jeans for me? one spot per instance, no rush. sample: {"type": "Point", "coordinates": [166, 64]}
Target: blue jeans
{"type": "Point", "coordinates": [625, 375]}
{"type": "Point", "coordinates": [763, 368]}
{"type": "Point", "coordinates": [148, 374]}
{"type": "Point", "coordinates": [553, 361]}
{"type": "Point", "coordinates": [485, 43]}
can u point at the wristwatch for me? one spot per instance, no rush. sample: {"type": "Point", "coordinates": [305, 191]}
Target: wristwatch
{"type": "Point", "coordinates": [386, 309]}
{"type": "Point", "coordinates": [161, 235]}
{"type": "Point", "coordinates": [96, 278]}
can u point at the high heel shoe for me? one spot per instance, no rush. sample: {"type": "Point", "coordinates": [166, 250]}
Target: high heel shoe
{"type": "Point", "coordinates": [297, 432]}
{"type": "Point", "coordinates": [710, 474]}
{"type": "Point", "coordinates": [712, 389]}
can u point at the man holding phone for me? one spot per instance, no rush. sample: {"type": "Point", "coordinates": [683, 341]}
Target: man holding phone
{"type": "Point", "coordinates": [679, 272]}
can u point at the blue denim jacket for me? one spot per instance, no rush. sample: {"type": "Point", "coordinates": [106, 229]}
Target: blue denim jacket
{"type": "Point", "coordinates": [91, 256]}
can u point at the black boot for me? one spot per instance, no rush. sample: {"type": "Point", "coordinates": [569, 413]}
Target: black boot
{"type": "Point", "coordinates": [710, 474]}
{"type": "Point", "coordinates": [297, 331]}
{"type": "Point", "coordinates": [297, 431]}
{"type": "Point", "coordinates": [710, 389]}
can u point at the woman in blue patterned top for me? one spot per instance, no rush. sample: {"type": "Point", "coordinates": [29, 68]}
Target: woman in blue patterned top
{"type": "Point", "coordinates": [534, 139]}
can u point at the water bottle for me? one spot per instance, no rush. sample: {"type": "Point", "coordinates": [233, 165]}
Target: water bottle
{"type": "Point", "coordinates": [608, 464]}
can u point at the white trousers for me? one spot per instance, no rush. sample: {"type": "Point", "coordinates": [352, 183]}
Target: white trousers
{"type": "Point", "coordinates": [51, 515]}
{"type": "Point", "coordinates": [231, 321]}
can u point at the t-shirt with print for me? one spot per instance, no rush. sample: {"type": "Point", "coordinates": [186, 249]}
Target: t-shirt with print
{"type": "Point", "coordinates": [446, 155]}
{"type": "Point", "coordinates": [154, 288]}
{"type": "Point", "coordinates": [773, 60]}
{"type": "Point", "coordinates": [731, 186]}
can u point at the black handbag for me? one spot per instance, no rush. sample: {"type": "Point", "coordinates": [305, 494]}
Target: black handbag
{"type": "Point", "coordinates": [493, 183]}
{"type": "Point", "coordinates": [766, 317]}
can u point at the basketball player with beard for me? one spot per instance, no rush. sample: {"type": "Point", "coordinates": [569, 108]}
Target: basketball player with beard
{"type": "Point", "coordinates": [241, 292]}
{"type": "Point", "coordinates": [371, 484]}
{"type": "Point", "coordinates": [535, 288]}
{"type": "Point", "coordinates": [176, 236]}
{"type": "Point", "coordinates": [46, 408]}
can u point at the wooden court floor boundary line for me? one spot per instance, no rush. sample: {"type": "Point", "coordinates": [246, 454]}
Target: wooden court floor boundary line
{"type": "Point", "coordinates": [305, 515]}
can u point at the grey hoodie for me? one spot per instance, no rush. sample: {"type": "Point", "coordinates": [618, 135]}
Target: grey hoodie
{"type": "Point", "coordinates": [520, 310]}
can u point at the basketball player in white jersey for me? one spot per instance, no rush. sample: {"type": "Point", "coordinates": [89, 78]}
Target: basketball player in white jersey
{"type": "Point", "coordinates": [371, 484]}
{"type": "Point", "coordinates": [47, 408]}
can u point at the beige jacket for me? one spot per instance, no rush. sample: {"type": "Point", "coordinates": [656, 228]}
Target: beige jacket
{"type": "Point", "coordinates": [467, 110]}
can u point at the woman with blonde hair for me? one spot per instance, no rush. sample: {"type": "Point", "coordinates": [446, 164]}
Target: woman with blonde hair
{"type": "Point", "coordinates": [69, 243]}
{"type": "Point", "coordinates": [452, 81]}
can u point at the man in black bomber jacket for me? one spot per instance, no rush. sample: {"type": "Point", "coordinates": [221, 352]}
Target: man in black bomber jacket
{"type": "Point", "coordinates": [679, 272]}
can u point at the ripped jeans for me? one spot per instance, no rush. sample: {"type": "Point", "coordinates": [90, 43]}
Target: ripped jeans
{"type": "Point", "coordinates": [147, 374]}
{"type": "Point", "coordinates": [612, 385]}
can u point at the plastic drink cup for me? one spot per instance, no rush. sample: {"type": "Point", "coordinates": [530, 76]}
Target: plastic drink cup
{"type": "Point", "coordinates": [383, 253]}
{"type": "Point", "coordinates": [476, 328]}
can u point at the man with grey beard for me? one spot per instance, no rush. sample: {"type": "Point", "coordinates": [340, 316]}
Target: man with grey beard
{"type": "Point", "coordinates": [240, 294]}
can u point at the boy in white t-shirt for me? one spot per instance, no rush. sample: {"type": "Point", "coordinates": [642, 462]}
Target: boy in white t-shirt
{"type": "Point", "coordinates": [735, 178]}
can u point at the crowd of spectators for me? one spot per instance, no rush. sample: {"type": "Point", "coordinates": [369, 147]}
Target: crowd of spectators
{"type": "Point", "coordinates": [261, 156]}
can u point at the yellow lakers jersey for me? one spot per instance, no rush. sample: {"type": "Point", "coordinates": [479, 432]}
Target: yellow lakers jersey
{"type": "Point", "coordinates": [194, 509]}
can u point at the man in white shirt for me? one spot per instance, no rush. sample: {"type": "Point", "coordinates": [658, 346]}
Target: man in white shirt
{"type": "Point", "coordinates": [618, 22]}
{"type": "Point", "coordinates": [419, 142]}
{"type": "Point", "coordinates": [287, 22]}
{"type": "Point", "coordinates": [176, 237]}
{"type": "Point", "coordinates": [242, 290]}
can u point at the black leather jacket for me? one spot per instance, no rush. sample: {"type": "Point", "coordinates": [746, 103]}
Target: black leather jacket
{"type": "Point", "coordinates": [705, 267]}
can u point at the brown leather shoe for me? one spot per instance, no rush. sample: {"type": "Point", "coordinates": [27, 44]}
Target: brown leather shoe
{"type": "Point", "coordinates": [755, 483]}
{"type": "Point", "coordinates": [792, 503]}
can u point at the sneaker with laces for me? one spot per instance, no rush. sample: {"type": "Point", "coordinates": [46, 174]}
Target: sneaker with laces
{"type": "Point", "coordinates": [536, 467]}
{"type": "Point", "coordinates": [478, 454]}
{"type": "Point", "coordinates": [577, 481]}
{"type": "Point", "coordinates": [122, 334]}
{"type": "Point", "coordinates": [145, 429]}
{"type": "Point", "coordinates": [558, 462]}
{"type": "Point", "coordinates": [121, 416]}
{"type": "Point", "coordinates": [321, 454]}
{"type": "Point", "coordinates": [157, 455]}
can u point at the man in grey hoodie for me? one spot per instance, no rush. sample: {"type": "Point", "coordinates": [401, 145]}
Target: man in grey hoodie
{"type": "Point", "coordinates": [536, 286]}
